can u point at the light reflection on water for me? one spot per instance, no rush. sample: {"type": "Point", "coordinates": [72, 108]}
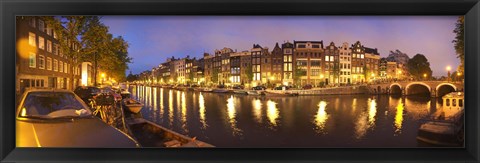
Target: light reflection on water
{"type": "Point", "coordinates": [321, 117]}
{"type": "Point", "coordinates": [272, 112]}
{"type": "Point", "coordinates": [231, 103]}
{"type": "Point", "coordinates": [399, 118]}
{"type": "Point", "coordinates": [229, 120]}
{"type": "Point", "coordinates": [202, 111]}
{"type": "Point", "coordinates": [257, 110]}
{"type": "Point", "coordinates": [170, 107]}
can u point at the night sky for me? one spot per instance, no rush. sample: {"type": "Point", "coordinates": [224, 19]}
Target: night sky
{"type": "Point", "coordinates": [154, 38]}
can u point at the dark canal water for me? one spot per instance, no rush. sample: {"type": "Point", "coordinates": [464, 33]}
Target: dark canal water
{"type": "Point", "coordinates": [231, 120]}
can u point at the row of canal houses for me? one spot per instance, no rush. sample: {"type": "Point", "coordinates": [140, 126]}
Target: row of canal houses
{"type": "Point", "coordinates": [297, 63]}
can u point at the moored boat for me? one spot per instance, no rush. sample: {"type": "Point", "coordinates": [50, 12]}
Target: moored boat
{"type": "Point", "coordinates": [279, 93]}
{"type": "Point", "coordinates": [132, 105]}
{"type": "Point", "coordinates": [149, 134]}
{"type": "Point", "coordinates": [244, 92]}
{"type": "Point", "coordinates": [220, 90]}
{"type": "Point", "coordinates": [254, 92]}
{"type": "Point", "coordinates": [207, 90]}
{"type": "Point", "coordinates": [447, 127]}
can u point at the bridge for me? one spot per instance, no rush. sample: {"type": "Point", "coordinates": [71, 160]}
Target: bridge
{"type": "Point", "coordinates": [432, 88]}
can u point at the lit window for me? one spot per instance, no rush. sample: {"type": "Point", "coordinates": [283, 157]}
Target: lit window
{"type": "Point", "coordinates": [60, 66]}
{"type": "Point", "coordinates": [49, 30]}
{"type": "Point", "coordinates": [55, 65]}
{"type": "Point", "coordinates": [41, 43]}
{"type": "Point", "coordinates": [41, 62]}
{"type": "Point", "coordinates": [49, 46]}
{"type": "Point", "coordinates": [31, 38]}
{"type": "Point", "coordinates": [49, 63]}
{"type": "Point", "coordinates": [32, 60]}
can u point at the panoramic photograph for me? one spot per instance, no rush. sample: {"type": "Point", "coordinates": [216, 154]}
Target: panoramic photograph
{"type": "Point", "coordinates": [240, 81]}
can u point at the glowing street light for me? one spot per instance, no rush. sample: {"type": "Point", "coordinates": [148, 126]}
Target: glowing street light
{"type": "Point", "coordinates": [425, 76]}
{"type": "Point", "coordinates": [103, 77]}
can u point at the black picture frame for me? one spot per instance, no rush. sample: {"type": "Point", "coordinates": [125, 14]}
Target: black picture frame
{"type": "Point", "coordinates": [9, 9]}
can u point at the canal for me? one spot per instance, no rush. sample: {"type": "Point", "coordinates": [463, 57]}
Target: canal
{"type": "Point", "coordinates": [232, 120]}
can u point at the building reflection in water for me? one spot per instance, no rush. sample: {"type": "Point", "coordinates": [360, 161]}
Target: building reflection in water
{"type": "Point", "coordinates": [231, 112]}
{"type": "Point", "coordinates": [417, 108]}
{"type": "Point", "coordinates": [354, 105]}
{"type": "Point", "coordinates": [272, 112]}
{"type": "Point", "coordinates": [366, 120]}
{"type": "Point", "coordinates": [257, 110]}
{"type": "Point", "coordinates": [202, 111]}
{"type": "Point", "coordinates": [155, 104]}
{"type": "Point", "coordinates": [321, 117]}
{"type": "Point", "coordinates": [184, 113]}
{"type": "Point", "coordinates": [170, 107]}
{"type": "Point", "coordinates": [399, 118]}
{"type": "Point", "coordinates": [372, 111]}
{"type": "Point", "coordinates": [162, 105]}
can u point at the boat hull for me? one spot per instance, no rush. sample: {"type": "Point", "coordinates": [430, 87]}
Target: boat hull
{"type": "Point", "coordinates": [149, 134]}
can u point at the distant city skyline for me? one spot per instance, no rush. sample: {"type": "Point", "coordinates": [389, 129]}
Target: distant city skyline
{"type": "Point", "coordinates": [153, 39]}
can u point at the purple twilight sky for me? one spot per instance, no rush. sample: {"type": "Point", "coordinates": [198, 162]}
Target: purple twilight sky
{"type": "Point", "coordinates": [154, 38]}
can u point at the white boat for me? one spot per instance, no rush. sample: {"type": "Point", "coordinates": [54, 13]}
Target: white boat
{"type": "Point", "coordinates": [133, 105]}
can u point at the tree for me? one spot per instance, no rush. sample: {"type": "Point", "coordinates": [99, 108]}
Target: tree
{"type": "Point", "coordinates": [459, 42]}
{"type": "Point", "coordinates": [132, 77]}
{"type": "Point", "coordinates": [249, 73]}
{"type": "Point", "coordinates": [96, 45]}
{"type": "Point", "coordinates": [215, 75]}
{"type": "Point", "coordinates": [336, 72]}
{"type": "Point", "coordinates": [67, 30]}
{"type": "Point", "coordinates": [419, 65]}
{"type": "Point", "coordinates": [298, 73]}
{"type": "Point", "coordinates": [365, 72]}
{"type": "Point", "coordinates": [116, 63]}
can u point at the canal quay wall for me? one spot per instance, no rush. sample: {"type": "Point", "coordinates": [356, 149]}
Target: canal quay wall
{"type": "Point", "coordinates": [352, 90]}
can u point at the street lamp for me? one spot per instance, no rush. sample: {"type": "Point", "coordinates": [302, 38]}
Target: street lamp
{"type": "Point", "coordinates": [399, 74]}
{"type": "Point", "coordinates": [103, 77]}
{"type": "Point", "coordinates": [458, 76]}
{"type": "Point", "coordinates": [425, 76]}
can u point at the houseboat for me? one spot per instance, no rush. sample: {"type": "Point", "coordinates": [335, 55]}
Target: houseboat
{"type": "Point", "coordinates": [446, 128]}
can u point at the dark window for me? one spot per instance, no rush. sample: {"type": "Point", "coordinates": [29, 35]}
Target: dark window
{"type": "Point", "coordinates": [460, 102]}
{"type": "Point", "coordinates": [448, 102]}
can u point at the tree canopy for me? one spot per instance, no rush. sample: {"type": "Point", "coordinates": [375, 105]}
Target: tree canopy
{"type": "Point", "coordinates": [94, 44]}
{"type": "Point", "coordinates": [459, 42]}
{"type": "Point", "coordinates": [418, 66]}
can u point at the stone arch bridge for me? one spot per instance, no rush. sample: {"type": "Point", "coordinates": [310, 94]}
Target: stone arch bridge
{"type": "Point", "coordinates": [432, 88]}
